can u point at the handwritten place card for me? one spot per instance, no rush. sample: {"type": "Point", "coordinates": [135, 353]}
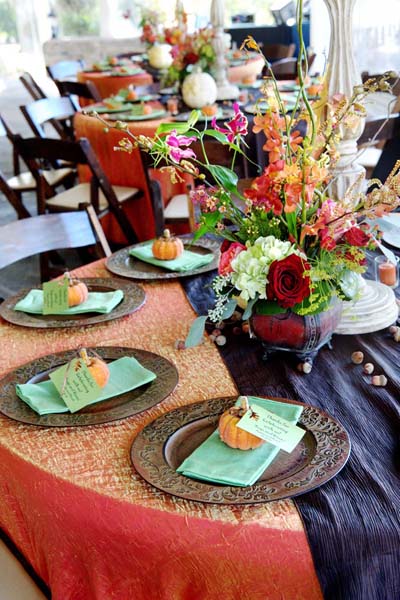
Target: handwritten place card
{"type": "Point", "coordinates": [271, 428]}
{"type": "Point", "coordinates": [55, 296]}
{"type": "Point", "coordinates": [75, 384]}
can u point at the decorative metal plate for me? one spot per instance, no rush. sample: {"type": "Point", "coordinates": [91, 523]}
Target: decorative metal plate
{"type": "Point", "coordinates": [163, 445]}
{"type": "Point", "coordinates": [134, 298]}
{"type": "Point", "coordinates": [123, 264]}
{"type": "Point", "coordinates": [119, 407]}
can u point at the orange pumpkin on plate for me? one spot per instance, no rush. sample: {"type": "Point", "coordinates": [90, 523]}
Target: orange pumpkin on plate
{"type": "Point", "coordinates": [97, 367]}
{"type": "Point", "coordinates": [209, 110]}
{"type": "Point", "coordinates": [167, 247]}
{"type": "Point", "coordinates": [232, 435]}
{"type": "Point", "coordinates": [77, 291]}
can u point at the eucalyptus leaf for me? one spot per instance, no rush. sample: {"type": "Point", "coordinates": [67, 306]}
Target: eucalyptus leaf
{"type": "Point", "coordinates": [229, 309]}
{"type": "Point", "coordinates": [196, 332]}
{"type": "Point", "coordinates": [249, 309]}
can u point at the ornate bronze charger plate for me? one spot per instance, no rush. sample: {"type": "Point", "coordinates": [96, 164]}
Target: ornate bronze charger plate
{"type": "Point", "coordinates": [123, 264]}
{"type": "Point", "coordinates": [119, 407]}
{"type": "Point", "coordinates": [134, 298]}
{"type": "Point", "coordinates": [163, 445]}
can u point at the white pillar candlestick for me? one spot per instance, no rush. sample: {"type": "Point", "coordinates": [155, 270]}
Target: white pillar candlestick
{"type": "Point", "coordinates": [226, 91]}
{"type": "Point", "coordinates": [343, 76]}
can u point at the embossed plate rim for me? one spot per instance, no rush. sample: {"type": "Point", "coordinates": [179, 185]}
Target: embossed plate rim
{"type": "Point", "coordinates": [134, 298]}
{"type": "Point", "coordinates": [116, 263]}
{"type": "Point", "coordinates": [154, 392]}
{"type": "Point", "coordinates": [146, 456]}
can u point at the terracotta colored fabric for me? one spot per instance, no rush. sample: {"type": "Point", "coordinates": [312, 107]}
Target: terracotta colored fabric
{"type": "Point", "coordinates": [251, 68]}
{"type": "Point", "coordinates": [90, 526]}
{"type": "Point", "coordinates": [107, 85]}
{"type": "Point", "coordinates": [122, 168]}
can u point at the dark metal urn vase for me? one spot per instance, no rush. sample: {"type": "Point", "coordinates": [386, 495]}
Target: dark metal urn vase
{"type": "Point", "coordinates": [301, 335]}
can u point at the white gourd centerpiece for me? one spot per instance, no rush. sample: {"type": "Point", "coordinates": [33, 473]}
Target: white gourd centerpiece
{"type": "Point", "coordinates": [160, 56]}
{"type": "Point", "coordinates": [199, 89]}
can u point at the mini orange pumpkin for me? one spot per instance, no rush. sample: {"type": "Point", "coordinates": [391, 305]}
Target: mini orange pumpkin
{"type": "Point", "coordinates": [77, 291]}
{"type": "Point", "coordinates": [232, 435]}
{"type": "Point", "coordinates": [209, 110]}
{"type": "Point", "coordinates": [167, 247]}
{"type": "Point", "coordinates": [98, 368]}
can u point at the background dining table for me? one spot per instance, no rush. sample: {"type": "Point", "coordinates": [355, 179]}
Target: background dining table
{"type": "Point", "coordinates": [92, 528]}
{"type": "Point", "coordinates": [108, 83]}
{"type": "Point", "coordinates": [127, 170]}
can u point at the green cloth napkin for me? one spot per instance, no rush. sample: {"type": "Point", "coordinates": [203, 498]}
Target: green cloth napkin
{"type": "Point", "coordinates": [214, 461]}
{"type": "Point", "coordinates": [125, 374]}
{"type": "Point", "coordinates": [187, 261]}
{"type": "Point", "coordinates": [100, 302]}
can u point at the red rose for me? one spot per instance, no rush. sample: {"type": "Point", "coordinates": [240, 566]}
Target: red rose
{"type": "Point", "coordinates": [190, 58]}
{"type": "Point", "coordinates": [229, 251]}
{"type": "Point", "coordinates": [356, 237]}
{"type": "Point", "coordinates": [288, 283]}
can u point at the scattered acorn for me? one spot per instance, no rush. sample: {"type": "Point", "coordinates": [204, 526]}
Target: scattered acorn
{"type": "Point", "coordinates": [368, 368]}
{"type": "Point", "coordinates": [357, 357]}
{"type": "Point", "coordinates": [220, 340]}
{"type": "Point", "coordinates": [304, 367]}
{"type": "Point", "coordinates": [379, 380]}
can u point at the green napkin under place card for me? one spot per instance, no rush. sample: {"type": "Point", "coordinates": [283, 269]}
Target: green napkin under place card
{"type": "Point", "coordinates": [125, 374]}
{"type": "Point", "coordinates": [214, 461]}
{"type": "Point", "coordinates": [187, 261]}
{"type": "Point", "coordinates": [99, 302]}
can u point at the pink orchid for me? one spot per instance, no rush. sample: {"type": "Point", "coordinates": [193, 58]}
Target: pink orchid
{"type": "Point", "coordinates": [236, 126]}
{"type": "Point", "coordinates": [176, 142]}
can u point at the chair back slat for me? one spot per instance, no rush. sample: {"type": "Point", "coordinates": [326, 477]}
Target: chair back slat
{"type": "Point", "coordinates": [75, 88]}
{"type": "Point", "coordinates": [64, 69]}
{"type": "Point", "coordinates": [45, 110]}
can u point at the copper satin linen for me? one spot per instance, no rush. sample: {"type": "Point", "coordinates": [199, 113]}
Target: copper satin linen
{"type": "Point", "coordinates": [93, 529]}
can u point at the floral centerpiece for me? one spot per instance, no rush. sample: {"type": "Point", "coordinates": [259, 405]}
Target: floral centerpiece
{"type": "Point", "coordinates": [289, 247]}
{"type": "Point", "coordinates": [193, 49]}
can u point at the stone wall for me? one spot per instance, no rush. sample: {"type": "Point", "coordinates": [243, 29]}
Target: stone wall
{"type": "Point", "coordinates": [89, 49]}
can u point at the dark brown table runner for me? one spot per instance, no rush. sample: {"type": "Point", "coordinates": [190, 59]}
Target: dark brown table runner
{"type": "Point", "coordinates": [353, 521]}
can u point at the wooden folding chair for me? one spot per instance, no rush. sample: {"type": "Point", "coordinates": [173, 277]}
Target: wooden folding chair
{"type": "Point", "coordinates": [72, 89]}
{"type": "Point", "coordinates": [64, 69]}
{"type": "Point", "coordinates": [45, 233]}
{"type": "Point", "coordinates": [385, 131]}
{"type": "Point", "coordinates": [98, 192]}
{"type": "Point", "coordinates": [57, 111]}
{"type": "Point", "coordinates": [274, 52]}
{"type": "Point", "coordinates": [14, 187]}
{"type": "Point", "coordinates": [32, 86]}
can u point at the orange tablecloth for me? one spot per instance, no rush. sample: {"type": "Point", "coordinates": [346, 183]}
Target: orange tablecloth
{"type": "Point", "coordinates": [125, 169]}
{"type": "Point", "coordinates": [93, 529]}
{"type": "Point", "coordinates": [107, 84]}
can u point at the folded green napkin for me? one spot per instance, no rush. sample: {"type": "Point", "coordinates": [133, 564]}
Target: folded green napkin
{"type": "Point", "coordinates": [214, 461]}
{"type": "Point", "coordinates": [100, 302]}
{"type": "Point", "coordinates": [125, 374]}
{"type": "Point", "coordinates": [187, 261]}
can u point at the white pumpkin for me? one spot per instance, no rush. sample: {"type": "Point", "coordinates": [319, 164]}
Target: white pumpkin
{"type": "Point", "coordinates": [160, 56]}
{"type": "Point", "coordinates": [199, 89]}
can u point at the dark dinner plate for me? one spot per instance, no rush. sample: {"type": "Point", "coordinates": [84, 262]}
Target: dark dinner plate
{"type": "Point", "coordinates": [134, 298]}
{"type": "Point", "coordinates": [164, 444]}
{"type": "Point", "coordinates": [119, 407]}
{"type": "Point", "coordinates": [123, 264]}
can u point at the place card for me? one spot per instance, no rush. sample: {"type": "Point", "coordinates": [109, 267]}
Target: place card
{"type": "Point", "coordinates": [75, 384]}
{"type": "Point", "coordinates": [55, 296]}
{"type": "Point", "coordinates": [271, 428]}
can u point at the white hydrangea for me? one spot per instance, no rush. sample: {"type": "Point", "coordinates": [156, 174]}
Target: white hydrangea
{"type": "Point", "coordinates": [250, 267]}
